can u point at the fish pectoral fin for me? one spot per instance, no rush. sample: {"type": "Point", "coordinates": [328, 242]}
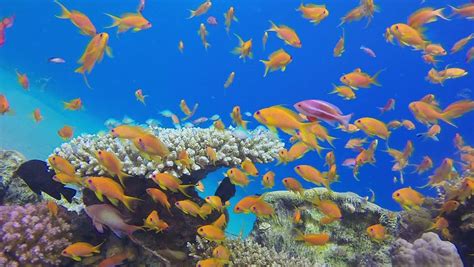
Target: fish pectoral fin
{"type": "Point", "coordinates": [76, 258]}
{"type": "Point", "coordinates": [283, 68]}
{"type": "Point", "coordinates": [114, 201]}
{"type": "Point", "coordinates": [99, 227]}
{"type": "Point", "coordinates": [99, 196]}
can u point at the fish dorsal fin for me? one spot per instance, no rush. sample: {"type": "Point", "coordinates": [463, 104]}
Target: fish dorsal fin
{"type": "Point", "coordinates": [358, 70]}
{"type": "Point", "coordinates": [315, 6]}
{"type": "Point", "coordinates": [281, 50]}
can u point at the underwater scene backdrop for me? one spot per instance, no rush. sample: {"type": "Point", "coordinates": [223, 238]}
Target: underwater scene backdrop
{"type": "Point", "coordinates": [216, 133]}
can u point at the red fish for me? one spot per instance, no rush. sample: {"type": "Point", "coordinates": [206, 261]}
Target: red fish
{"type": "Point", "coordinates": [211, 20]}
{"type": "Point", "coordinates": [368, 51]}
{"type": "Point", "coordinates": [389, 106]}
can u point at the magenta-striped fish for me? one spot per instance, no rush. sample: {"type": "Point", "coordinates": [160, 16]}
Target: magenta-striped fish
{"type": "Point", "coordinates": [321, 110]}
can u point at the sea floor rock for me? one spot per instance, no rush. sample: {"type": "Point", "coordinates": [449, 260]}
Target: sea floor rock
{"type": "Point", "coordinates": [349, 243]}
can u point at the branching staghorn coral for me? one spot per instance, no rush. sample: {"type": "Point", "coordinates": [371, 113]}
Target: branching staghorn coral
{"type": "Point", "coordinates": [29, 235]}
{"type": "Point", "coordinates": [262, 146]}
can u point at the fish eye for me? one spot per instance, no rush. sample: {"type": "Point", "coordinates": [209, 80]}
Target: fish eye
{"type": "Point", "coordinates": [371, 229]}
{"type": "Point", "coordinates": [397, 194]}
{"type": "Point", "coordinates": [231, 171]}
{"type": "Point", "coordinates": [140, 140]}
{"type": "Point", "coordinates": [177, 203]}
{"type": "Point", "coordinates": [258, 112]}
{"type": "Point", "coordinates": [151, 219]}
{"type": "Point", "coordinates": [101, 34]}
{"type": "Point", "coordinates": [284, 180]}
{"type": "Point", "coordinates": [237, 208]}
{"type": "Point", "coordinates": [254, 208]}
{"type": "Point", "coordinates": [200, 230]}
{"type": "Point", "coordinates": [89, 181]}
{"type": "Point", "coordinates": [358, 121]}
{"type": "Point", "coordinates": [298, 167]}
{"type": "Point", "coordinates": [396, 27]}
{"type": "Point", "coordinates": [100, 152]}
{"type": "Point", "coordinates": [53, 158]}
{"type": "Point", "coordinates": [113, 130]}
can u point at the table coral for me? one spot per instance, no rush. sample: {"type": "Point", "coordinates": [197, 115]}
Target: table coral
{"type": "Point", "coordinates": [262, 146]}
{"type": "Point", "coordinates": [29, 235]}
{"type": "Point", "coordinates": [429, 250]}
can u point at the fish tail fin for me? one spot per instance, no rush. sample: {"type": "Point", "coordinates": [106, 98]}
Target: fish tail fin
{"type": "Point", "coordinates": [330, 139]}
{"type": "Point", "coordinates": [84, 76]}
{"type": "Point", "coordinates": [446, 116]}
{"type": "Point", "coordinates": [439, 13]}
{"type": "Point", "coordinates": [115, 20]}
{"type": "Point", "coordinates": [127, 201]}
{"type": "Point", "coordinates": [206, 45]}
{"type": "Point", "coordinates": [455, 11]}
{"type": "Point", "coordinates": [273, 27]}
{"type": "Point", "coordinates": [121, 176]}
{"type": "Point", "coordinates": [299, 235]}
{"type": "Point", "coordinates": [65, 14]}
{"type": "Point", "coordinates": [374, 78]}
{"type": "Point", "coordinates": [182, 189]}
{"type": "Point", "coordinates": [96, 249]}
{"type": "Point", "coordinates": [334, 90]}
{"type": "Point", "coordinates": [267, 67]}
{"type": "Point", "coordinates": [346, 119]}
{"type": "Point", "coordinates": [66, 105]}
{"type": "Point", "coordinates": [192, 15]}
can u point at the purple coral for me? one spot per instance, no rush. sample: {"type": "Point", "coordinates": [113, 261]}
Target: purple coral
{"type": "Point", "coordinates": [429, 250]}
{"type": "Point", "coordinates": [29, 235]}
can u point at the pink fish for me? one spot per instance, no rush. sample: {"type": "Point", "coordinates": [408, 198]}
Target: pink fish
{"type": "Point", "coordinates": [349, 163]}
{"type": "Point", "coordinates": [5, 23]}
{"type": "Point", "coordinates": [368, 51]}
{"type": "Point", "coordinates": [389, 106]}
{"type": "Point", "coordinates": [8, 21]}
{"type": "Point", "coordinates": [321, 110]}
{"type": "Point", "coordinates": [105, 214]}
{"type": "Point", "coordinates": [2, 34]}
{"type": "Point", "coordinates": [211, 20]}
{"type": "Point", "coordinates": [200, 120]}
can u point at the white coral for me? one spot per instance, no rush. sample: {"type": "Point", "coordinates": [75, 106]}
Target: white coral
{"type": "Point", "coordinates": [262, 146]}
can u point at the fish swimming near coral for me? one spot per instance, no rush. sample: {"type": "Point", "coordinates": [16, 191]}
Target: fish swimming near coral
{"type": "Point", "coordinates": [39, 178]}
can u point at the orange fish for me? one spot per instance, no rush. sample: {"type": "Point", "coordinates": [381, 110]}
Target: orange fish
{"type": "Point", "coordinates": [201, 10]}
{"type": "Point", "coordinates": [116, 259]}
{"type": "Point", "coordinates": [191, 208]}
{"type": "Point", "coordinates": [277, 60]}
{"type": "Point", "coordinates": [67, 179]}
{"type": "Point", "coordinates": [216, 203]}
{"type": "Point", "coordinates": [103, 186]}
{"type": "Point", "coordinates": [315, 13]}
{"type": "Point", "coordinates": [409, 125]}
{"type": "Point", "coordinates": [229, 17]}
{"type": "Point", "coordinates": [408, 36]}
{"type": "Point", "coordinates": [23, 80]}
{"type": "Point", "coordinates": [211, 233]}
{"type": "Point", "coordinates": [151, 146]}
{"type": "Point", "coordinates": [298, 150]}
{"type": "Point", "coordinates": [408, 198]}
{"type": "Point", "coordinates": [52, 207]}
{"type": "Point", "coordinates": [243, 206]}
{"type": "Point", "coordinates": [186, 110]}
{"type": "Point", "coordinates": [291, 184]}
{"type": "Point", "coordinates": [426, 164]}
{"type": "Point", "coordinates": [429, 59]}
{"type": "Point", "coordinates": [459, 108]}
{"type": "Point", "coordinates": [169, 182]}
{"type": "Point", "coordinates": [62, 165]}
{"type": "Point", "coordinates": [286, 33]}
{"type": "Point", "coordinates": [355, 14]}
{"type": "Point", "coordinates": [432, 132]}
{"type": "Point", "coordinates": [4, 105]}
{"type": "Point", "coordinates": [249, 168]}
{"type": "Point", "coordinates": [268, 180]}
{"type": "Point", "coordinates": [127, 131]}
{"type": "Point", "coordinates": [244, 49]}
{"type": "Point", "coordinates": [211, 154]}
{"type": "Point", "coordinates": [181, 46]}
{"type": "Point", "coordinates": [221, 252]}
{"type": "Point", "coordinates": [74, 104]}
{"type": "Point", "coordinates": [297, 216]}
{"type": "Point", "coordinates": [134, 21]}
{"type": "Point", "coordinates": [376, 232]}
{"type": "Point", "coordinates": [153, 222]}
{"type": "Point", "coordinates": [449, 206]}
{"type": "Point", "coordinates": [313, 239]}
{"type": "Point", "coordinates": [425, 15]}
{"type": "Point", "coordinates": [111, 164]}
{"type": "Point", "coordinates": [211, 262]}
{"type": "Point", "coordinates": [80, 249]}
{"type": "Point", "coordinates": [312, 175]}
{"type": "Point", "coordinates": [428, 114]}
{"type": "Point", "coordinates": [329, 209]}
{"type": "Point", "coordinates": [237, 177]}
{"type": "Point", "coordinates": [344, 91]}
{"type": "Point", "coordinates": [199, 186]}
{"type": "Point", "coordinates": [79, 20]}
{"type": "Point", "coordinates": [140, 97]}
{"type": "Point", "coordinates": [66, 132]}
{"type": "Point", "coordinates": [219, 125]}
{"type": "Point", "coordinates": [237, 117]}
{"type": "Point", "coordinates": [373, 127]}
{"type": "Point", "coordinates": [202, 32]}
{"type": "Point", "coordinates": [159, 196]}
{"type": "Point", "coordinates": [339, 48]}
{"type": "Point", "coordinates": [466, 10]}
{"type": "Point", "coordinates": [262, 209]}
{"type": "Point", "coordinates": [358, 79]}
{"type": "Point", "coordinates": [435, 50]}
{"type": "Point", "coordinates": [37, 115]}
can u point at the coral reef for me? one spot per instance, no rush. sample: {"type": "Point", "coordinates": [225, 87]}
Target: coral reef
{"type": "Point", "coordinates": [13, 190]}
{"type": "Point", "coordinates": [246, 253]}
{"type": "Point", "coordinates": [349, 244]}
{"type": "Point", "coordinates": [29, 235]}
{"type": "Point", "coordinates": [262, 146]}
{"type": "Point", "coordinates": [429, 250]}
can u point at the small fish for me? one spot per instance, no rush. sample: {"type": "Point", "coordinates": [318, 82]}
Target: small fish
{"type": "Point", "coordinates": [349, 163]}
{"type": "Point", "coordinates": [134, 21]}
{"type": "Point", "coordinates": [373, 127]}
{"type": "Point", "coordinates": [200, 120]}
{"type": "Point", "coordinates": [37, 115]}
{"type": "Point", "coordinates": [268, 180]}
{"type": "Point", "coordinates": [79, 20]}
{"type": "Point", "coordinates": [238, 177]}
{"type": "Point", "coordinates": [201, 10]}
{"type": "Point", "coordinates": [264, 39]}
{"type": "Point", "coordinates": [432, 132]}
{"type": "Point", "coordinates": [368, 51]}
{"type": "Point", "coordinates": [203, 33]}
{"type": "Point", "coordinates": [408, 198]}
{"type": "Point", "coordinates": [459, 45]}
{"type": "Point", "coordinates": [52, 207]}
{"type": "Point", "coordinates": [277, 60]}
{"type": "Point", "coordinates": [344, 91]}
{"type": "Point", "coordinates": [293, 185]}
{"type": "Point", "coordinates": [181, 46]}
{"type": "Point", "coordinates": [286, 33]}
{"type": "Point", "coordinates": [390, 105]}
{"type": "Point", "coordinates": [104, 186]}
{"type": "Point", "coordinates": [23, 80]}
{"type": "Point", "coordinates": [80, 249]}
{"type": "Point", "coordinates": [140, 97]}
{"type": "Point", "coordinates": [74, 104]}
{"type": "Point", "coordinates": [199, 186]}
{"type": "Point", "coordinates": [211, 233]}
{"type": "Point", "coordinates": [313, 239]}
{"type": "Point", "coordinates": [358, 79]}
{"type": "Point", "coordinates": [229, 17]}
{"type": "Point", "coordinates": [229, 80]}
{"type": "Point", "coordinates": [315, 13]}
{"type": "Point", "coordinates": [376, 232]}
{"type": "Point", "coordinates": [66, 132]}
{"type": "Point", "coordinates": [249, 168]}
{"type": "Point", "coordinates": [409, 125]}
{"type": "Point", "coordinates": [153, 222]}
{"type": "Point", "coordinates": [244, 49]}
{"type": "Point", "coordinates": [243, 205]}
{"type": "Point", "coordinates": [339, 48]}
{"type": "Point", "coordinates": [56, 60]}
{"type": "Point", "coordinates": [211, 20]}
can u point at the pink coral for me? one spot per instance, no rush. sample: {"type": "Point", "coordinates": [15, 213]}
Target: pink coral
{"type": "Point", "coordinates": [29, 235]}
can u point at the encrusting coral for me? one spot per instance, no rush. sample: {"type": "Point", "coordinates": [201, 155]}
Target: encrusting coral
{"type": "Point", "coordinates": [262, 146]}
{"type": "Point", "coordinates": [429, 250]}
{"type": "Point", "coordinates": [30, 235]}
{"type": "Point", "coordinates": [348, 244]}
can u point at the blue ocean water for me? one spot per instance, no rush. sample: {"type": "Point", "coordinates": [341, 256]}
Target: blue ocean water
{"type": "Point", "coordinates": [151, 61]}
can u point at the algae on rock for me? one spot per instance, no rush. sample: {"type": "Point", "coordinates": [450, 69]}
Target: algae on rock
{"type": "Point", "coordinates": [349, 243]}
